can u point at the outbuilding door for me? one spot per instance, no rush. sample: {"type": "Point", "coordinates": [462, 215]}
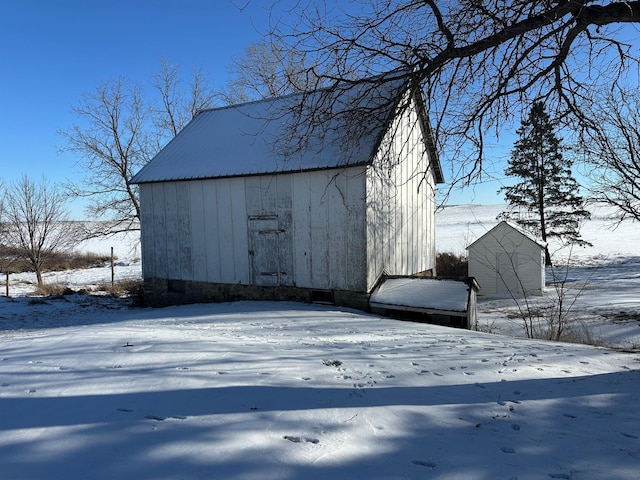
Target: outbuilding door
{"type": "Point", "coordinates": [268, 254]}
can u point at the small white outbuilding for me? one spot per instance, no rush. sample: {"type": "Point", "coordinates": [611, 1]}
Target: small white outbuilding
{"type": "Point", "coordinates": [507, 261]}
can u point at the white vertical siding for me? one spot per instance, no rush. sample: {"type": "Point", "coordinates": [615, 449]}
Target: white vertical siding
{"type": "Point", "coordinates": [301, 226]}
{"type": "Point", "coordinates": [200, 229]}
{"type": "Point", "coordinates": [401, 203]}
{"type": "Point", "coordinates": [147, 231]}
{"type": "Point", "coordinates": [159, 237]}
{"type": "Point", "coordinates": [329, 226]}
{"type": "Point", "coordinates": [329, 229]}
{"type": "Point", "coordinates": [198, 217]}
{"type": "Point", "coordinates": [166, 231]}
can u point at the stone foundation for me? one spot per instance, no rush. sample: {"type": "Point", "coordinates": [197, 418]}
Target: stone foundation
{"type": "Point", "coordinates": [162, 292]}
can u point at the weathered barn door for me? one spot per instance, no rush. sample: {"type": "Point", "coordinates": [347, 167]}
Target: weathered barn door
{"type": "Point", "coordinates": [268, 252]}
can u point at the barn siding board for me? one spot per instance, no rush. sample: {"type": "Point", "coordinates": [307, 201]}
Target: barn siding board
{"type": "Point", "coordinates": [184, 230]}
{"type": "Point", "coordinates": [301, 228]}
{"type": "Point", "coordinates": [198, 231]}
{"type": "Point", "coordinates": [225, 231]}
{"type": "Point", "coordinates": [238, 229]}
{"type": "Point", "coordinates": [356, 248]}
{"type": "Point", "coordinates": [147, 233]}
{"type": "Point", "coordinates": [212, 231]}
{"type": "Point", "coordinates": [285, 226]}
{"type": "Point", "coordinates": [171, 225]}
{"type": "Point", "coordinates": [160, 238]}
{"type": "Point", "coordinates": [269, 197]}
{"type": "Point", "coordinates": [336, 232]}
{"type": "Point", "coordinates": [319, 225]}
{"type": "Point", "coordinates": [253, 196]}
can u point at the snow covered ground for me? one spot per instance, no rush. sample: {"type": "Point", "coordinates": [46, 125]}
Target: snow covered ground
{"type": "Point", "coordinates": [93, 389]}
{"type": "Point", "coordinates": [602, 292]}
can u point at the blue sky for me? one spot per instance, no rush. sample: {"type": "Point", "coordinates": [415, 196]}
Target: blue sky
{"type": "Point", "coordinates": [55, 51]}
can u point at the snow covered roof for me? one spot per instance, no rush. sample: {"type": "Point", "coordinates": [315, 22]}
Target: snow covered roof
{"type": "Point", "coordinates": [423, 293]}
{"type": "Point", "coordinates": [267, 136]}
{"type": "Point", "coordinates": [517, 228]}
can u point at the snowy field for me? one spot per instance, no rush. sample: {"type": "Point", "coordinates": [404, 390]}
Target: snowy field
{"type": "Point", "coordinates": [93, 389]}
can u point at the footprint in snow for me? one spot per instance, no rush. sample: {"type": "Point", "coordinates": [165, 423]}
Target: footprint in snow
{"type": "Point", "coordinates": [296, 439]}
{"type": "Point", "coordinates": [155, 417]}
{"type": "Point", "coordinates": [160, 419]}
{"type": "Point", "coordinates": [425, 463]}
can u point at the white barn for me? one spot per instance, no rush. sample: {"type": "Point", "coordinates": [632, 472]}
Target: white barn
{"type": "Point", "coordinates": [507, 261]}
{"type": "Point", "coordinates": [238, 207]}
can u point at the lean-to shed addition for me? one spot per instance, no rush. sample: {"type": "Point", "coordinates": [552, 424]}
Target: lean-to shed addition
{"type": "Point", "coordinates": [507, 261]}
{"type": "Point", "coordinates": [433, 300]}
{"type": "Point", "coordinates": [258, 201]}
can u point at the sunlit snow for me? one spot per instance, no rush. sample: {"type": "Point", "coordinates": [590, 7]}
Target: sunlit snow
{"type": "Point", "coordinates": [93, 389]}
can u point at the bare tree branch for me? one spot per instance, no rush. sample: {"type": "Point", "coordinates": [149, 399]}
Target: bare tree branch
{"type": "Point", "coordinates": [481, 63]}
{"type": "Point", "coordinates": [120, 129]}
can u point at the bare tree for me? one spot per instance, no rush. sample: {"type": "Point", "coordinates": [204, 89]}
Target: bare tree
{"type": "Point", "coordinates": [178, 105]}
{"type": "Point", "coordinates": [613, 151]}
{"type": "Point", "coordinates": [37, 222]}
{"type": "Point", "coordinates": [480, 63]}
{"type": "Point", "coordinates": [121, 129]}
{"type": "Point", "coordinates": [266, 70]}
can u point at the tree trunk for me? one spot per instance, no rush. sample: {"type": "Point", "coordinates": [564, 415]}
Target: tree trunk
{"type": "Point", "coordinates": [547, 257]}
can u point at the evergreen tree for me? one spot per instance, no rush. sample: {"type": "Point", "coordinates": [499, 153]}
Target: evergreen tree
{"type": "Point", "coordinates": [547, 193]}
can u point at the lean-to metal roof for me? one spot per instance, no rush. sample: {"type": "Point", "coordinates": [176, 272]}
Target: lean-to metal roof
{"type": "Point", "coordinates": [331, 128]}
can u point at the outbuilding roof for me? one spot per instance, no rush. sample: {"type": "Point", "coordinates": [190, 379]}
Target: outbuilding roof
{"type": "Point", "coordinates": [306, 131]}
{"type": "Point", "coordinates": [427, 294]}
{"type": "Point", "coordinates": [514, 226]}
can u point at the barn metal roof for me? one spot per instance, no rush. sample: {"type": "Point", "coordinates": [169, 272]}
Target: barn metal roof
{"type": "Point", "coordinates": [266, 136]}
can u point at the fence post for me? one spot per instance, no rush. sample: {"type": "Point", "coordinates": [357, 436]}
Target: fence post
{"type": "Point", "coordinates": [113, 273]}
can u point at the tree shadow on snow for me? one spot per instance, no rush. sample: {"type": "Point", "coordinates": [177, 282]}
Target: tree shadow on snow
{"type": "Point", "coordinates": [248, 431]}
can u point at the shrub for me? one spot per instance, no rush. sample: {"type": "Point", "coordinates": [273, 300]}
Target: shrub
{"type": "Point", "coordinates": [131, 288]}
{"type": "Point", "coordinates": [451, 265]}
{"type": "Point", "coordinates": [11, 258]}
